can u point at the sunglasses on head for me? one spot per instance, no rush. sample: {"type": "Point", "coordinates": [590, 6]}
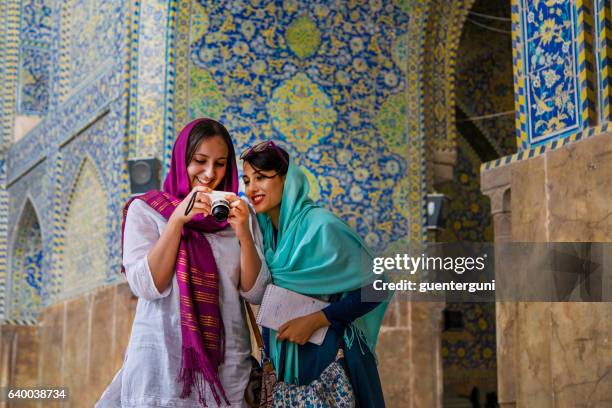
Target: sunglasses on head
{"type": "Point", "coordinates": [262, 147]}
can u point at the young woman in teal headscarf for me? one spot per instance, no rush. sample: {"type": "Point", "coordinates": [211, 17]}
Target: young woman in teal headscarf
{"type": "Point", "coordinates": [311, 251]}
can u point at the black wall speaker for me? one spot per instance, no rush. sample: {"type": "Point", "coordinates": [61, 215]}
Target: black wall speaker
{"type": "Point", "coordinates": [144, 175]}
{"type": "Point", "coordinates": [437, 211]}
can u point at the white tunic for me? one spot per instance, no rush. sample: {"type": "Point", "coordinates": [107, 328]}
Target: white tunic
{"type": "Point", "coordinates": [153, 356]}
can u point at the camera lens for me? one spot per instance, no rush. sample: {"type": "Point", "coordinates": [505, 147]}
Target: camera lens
{"type": "Point", "coordinates": [220, 210]}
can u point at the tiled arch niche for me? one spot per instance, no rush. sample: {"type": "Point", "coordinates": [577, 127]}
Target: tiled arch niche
{"type": "Point", "coordinates": [26, 285]}
{"type": "Point", "coordinates": [85, 254]}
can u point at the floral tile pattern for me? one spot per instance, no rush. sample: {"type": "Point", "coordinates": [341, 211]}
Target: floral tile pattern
{"type": "Point", "coordinates": [549, 31]}
{"type": "Point", "coordinates": [27, 263]}
{"type": "Point", "coordinates": [327, 80]}
{"type": "Point", "coordinates": [36, 38]}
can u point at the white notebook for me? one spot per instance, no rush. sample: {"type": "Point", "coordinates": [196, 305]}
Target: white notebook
{"type": "Point", "coordinates": [279, 305]}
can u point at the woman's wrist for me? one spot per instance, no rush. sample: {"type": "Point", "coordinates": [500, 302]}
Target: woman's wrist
{"type": "Point", "coordinates": [320, 320]}
{"type": "Point", "coordinates": [175, 221]}
{"type": "Point", "coordinates": [244, 236]}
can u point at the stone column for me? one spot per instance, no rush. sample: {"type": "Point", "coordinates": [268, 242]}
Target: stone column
{"type": "Point", "coordinates": [553, 354]}
{"type": "Point", "coordinates": [443, 166]}
{"type": "Point", "coordinates": [19, 346]}
{"type": "Point", "coordinates": [6, 347]}
{"type": "Point", "coordinates": [496, 185]}
{"type": "Point", "coordinates": [409, 356]}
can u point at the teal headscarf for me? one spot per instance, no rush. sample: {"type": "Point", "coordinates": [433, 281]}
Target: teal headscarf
{"type": "Point", "coordinates": [316, 253]}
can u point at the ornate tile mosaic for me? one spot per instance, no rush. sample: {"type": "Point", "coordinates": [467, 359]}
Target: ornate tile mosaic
{"type": "Point", "coordinates": [85, 261]}
{"type": "Point", "coordinates": [34, 81]}
{"type": "Point", "coordinates": [106, 155]}
{"type": "Point", "coordinates": [90, 38]}
{"type": "Point", "coordinates": [552, 73]}
{"type": "Point", "coordinates": [411, 59]}
{"type": "Point", "coordinates": [469, 213]}
{"type": "Point", "coordinates": [151, 74]}
{"type": "Point", "coordinates": [178, 75]}
{"type": "Point", "coordinates": [444, 23]}
{"type": "Point", "coordinates": [36, 40]}
{"type": "Point", "coordinates": [37, 23]}
{"type": "Point", "coordinates": [88, 105]}
{"type": "Point", "coordinates": [27, 267]}
{"type": "Point", "coordinates": [314, 75]}
{"type": "Point", "coordinates": [9, 65]}
{"type": "Point", "coordinates": [27, 206]}
{"type": "Point", "coordinates": [603, 48]}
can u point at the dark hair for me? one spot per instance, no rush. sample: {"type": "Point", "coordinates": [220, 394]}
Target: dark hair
{"type": "Point", "coordinates": [268, 159]}
{"type": "Point", "coordinates": [206, 129]}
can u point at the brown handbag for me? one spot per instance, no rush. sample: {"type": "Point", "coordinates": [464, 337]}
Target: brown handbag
{"type": "Point", "coordinates": [260, 389]}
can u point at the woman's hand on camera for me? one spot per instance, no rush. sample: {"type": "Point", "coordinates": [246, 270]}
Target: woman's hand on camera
{"type": "Point", "coordinates": [200, 206]}
{"type": "Point", "coordinates": [239, 216]}
{"type": "Point", "coordinates": [299, 330]}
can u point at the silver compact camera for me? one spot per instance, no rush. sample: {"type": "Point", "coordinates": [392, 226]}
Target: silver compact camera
{"type": "Point", "coordinates": [219, 206]}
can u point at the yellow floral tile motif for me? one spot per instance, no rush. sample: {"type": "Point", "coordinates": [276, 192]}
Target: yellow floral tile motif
{"type": "Point", "coordinates": [391, 123]}
{"type": "Point", "coordinates": [303, 37]}
{"type": "Point", "coordinates": [302, 112]}
{"type": "Point", "coordinates": [405, 5]}
{"type": "Point", "coordinates": [199, 21]}
{"type": "Point", "coordinates": [205, 99]}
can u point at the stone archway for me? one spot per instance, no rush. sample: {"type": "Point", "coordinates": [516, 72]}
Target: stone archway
{"type": "Point", "coordinates": [448, 154]}
{"type": "Point", "coordinates": [442, 34]}
{"type": "Point", "coordinates": [434, 32]}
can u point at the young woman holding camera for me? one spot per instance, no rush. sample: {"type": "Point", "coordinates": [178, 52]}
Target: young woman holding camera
{"type": "Point", "coordinates": [190, 344]}
{"type": "Point", "coordinates": [311, 251]}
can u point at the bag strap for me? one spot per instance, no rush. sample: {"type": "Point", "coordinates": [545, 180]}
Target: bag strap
{"type": "Point", "coordinates": [266, 365]}
{"type": "Point", "coordinates": [283, 356]}
{"type": "Point", "coordinates": [254, 326]}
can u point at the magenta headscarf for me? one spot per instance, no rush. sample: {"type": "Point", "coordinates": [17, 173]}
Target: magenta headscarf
{"type": "Point", "coordinates": [196, 272]}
